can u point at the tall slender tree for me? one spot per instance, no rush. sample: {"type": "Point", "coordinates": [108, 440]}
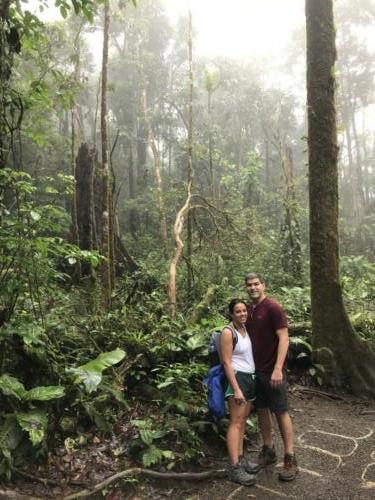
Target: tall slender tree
{"type": "Point", "coordinates": [211, 82]}
{"type": "Point", "coordinates": [106, 246]}
{"type": "Point", "coordinates": [189, 242]}
{"type": "Point", "coordinates": [351, 364]}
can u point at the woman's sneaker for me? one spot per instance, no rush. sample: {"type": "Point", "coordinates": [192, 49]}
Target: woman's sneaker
{"type": "Point", "coordinates": [237, 474]}
{"type": "Point", "coordinates": [250, 467]}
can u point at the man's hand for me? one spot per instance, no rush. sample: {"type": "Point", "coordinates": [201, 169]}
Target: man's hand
{"type": "Point", "coordinates": [276, 377]}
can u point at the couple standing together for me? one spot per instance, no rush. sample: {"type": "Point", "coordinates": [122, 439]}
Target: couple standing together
{"type": "Point", "coordinates": [256, 374]}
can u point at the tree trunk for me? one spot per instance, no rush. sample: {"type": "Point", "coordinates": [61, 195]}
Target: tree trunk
{"type": "Point", "coordinates": [359, 163]}
{"type": "Point", "coordinates": [84, 176]}
{"type": "Point", "coordinates": [189, 241]}
{"type": "Point", "coordinates": [142, 174]}
{"type": "Point", "coordinates": [210, 145]}
{"type": "Point", "coordinates": [75, 232]}
{"type": "Point", "coordinates": [172, 273]}
{"type": "Point", "coordinates": [290, 228]}
{"type": "Point", "coordinates": [9, 104]}
{"type": "Point", "coordinates": [350, 363]}
{"type": "Point", "coordinates": [106, 215]}
{"type": "Point", "coordinates": [159, 183]}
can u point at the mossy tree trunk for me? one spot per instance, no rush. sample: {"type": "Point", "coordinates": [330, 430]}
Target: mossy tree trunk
{"type": "Point", "coordinates": [352, 364]}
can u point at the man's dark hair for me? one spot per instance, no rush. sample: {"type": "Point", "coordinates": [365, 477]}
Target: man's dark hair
{"type": "Point", "coordinates": [253, 276]}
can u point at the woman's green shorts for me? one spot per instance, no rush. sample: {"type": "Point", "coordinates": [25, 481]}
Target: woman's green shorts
{"type": "Point", "coordinates": [246, 381]}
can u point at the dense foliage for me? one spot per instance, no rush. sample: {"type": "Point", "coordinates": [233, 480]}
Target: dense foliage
{"type": "Point", "coordinates": [66, 364]}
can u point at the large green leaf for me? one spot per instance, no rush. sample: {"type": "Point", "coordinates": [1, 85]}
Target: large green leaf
{"type": "Point", "coordinates": [34, 423]}
{"type": "Point", "coordinates": [10, 386]}
{"type": "Point", "coordinates": [45, 393]}
{"type": "Point", "coordinates": [10, 434]}
{"type": "Point", "coordinates": [90, 374]}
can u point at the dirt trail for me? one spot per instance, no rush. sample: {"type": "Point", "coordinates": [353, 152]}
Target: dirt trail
{"type": "Point", "coordinates": [335, 447]}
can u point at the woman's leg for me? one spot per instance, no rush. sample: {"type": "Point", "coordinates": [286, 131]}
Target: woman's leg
{"type": "Point", "coordinates": [240, 447]}
{"type": "Point", "coordinates": [238, 415]}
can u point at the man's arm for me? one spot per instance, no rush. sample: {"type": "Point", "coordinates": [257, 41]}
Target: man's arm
{"type": "Point", "coordinates": [282, 351]}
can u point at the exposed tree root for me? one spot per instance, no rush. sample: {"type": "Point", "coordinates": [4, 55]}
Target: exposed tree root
{"type": "Point", "coordinates": [137, 471]}
{"type": "Point", "coordinates": [300, 388]}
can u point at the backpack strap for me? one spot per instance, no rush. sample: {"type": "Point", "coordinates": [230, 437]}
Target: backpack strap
{"type": "Point", "coordinates": [234, 334]}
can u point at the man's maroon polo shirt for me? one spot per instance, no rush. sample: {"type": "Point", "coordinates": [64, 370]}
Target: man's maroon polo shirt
{"type": "Point", "coordinates": [262, 322]}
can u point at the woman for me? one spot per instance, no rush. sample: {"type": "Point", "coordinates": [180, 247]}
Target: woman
{"type": "Point", "coordinates": [239, 369]}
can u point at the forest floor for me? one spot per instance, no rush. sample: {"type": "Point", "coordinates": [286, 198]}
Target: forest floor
{"type": "Point", "coordinates": [335, 447]}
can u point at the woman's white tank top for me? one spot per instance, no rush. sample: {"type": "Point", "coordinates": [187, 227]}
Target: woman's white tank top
{"type": "Point", "coordinates": [242, 356]}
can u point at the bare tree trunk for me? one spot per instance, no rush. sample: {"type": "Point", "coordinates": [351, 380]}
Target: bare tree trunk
{"type": "Point", "coordinates": [189, 242]}
{"type": "Point", "coordinates": [290, 229]}
{"type": "Point", "coordinates": [359, 174]}
{"type": "Point", "coordinates": [210, 145]}
{"type": "Point", "coordinates": [349, 362]}
{"type": "Point", "coordinates": [350, 174]}
{"type": "Point", "coordinates": [142, 174]}
{"type": "Point", "coordinates": [131, 169]}
{"type": "Point", "coordinates": [84, 175]}
{"type": "Point", "coordinates": [106, 215]}
{"type": "Point", "coordinates": [75, 232]}
{"type": "Point", "coordinates": [177, 230]}
{"type": "Point", "coordinates": [366, 159]}
{"type": "Point", "coordinates": [159, 183]}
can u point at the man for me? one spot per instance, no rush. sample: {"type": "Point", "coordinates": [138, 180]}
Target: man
{"type": "Point", "coordinates": [268, 329]}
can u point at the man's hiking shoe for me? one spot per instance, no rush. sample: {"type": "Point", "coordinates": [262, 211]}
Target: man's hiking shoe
{"type": "Point", "coordinates": [237, 474]}
{"type": "Point", "coordinates": [290, 468]}
{"type": "Point", "coordinates": [267, 456]}
{"type": "Point", "coordinates": [249, 467]}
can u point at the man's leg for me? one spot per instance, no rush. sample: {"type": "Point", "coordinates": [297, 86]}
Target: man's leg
{"type": "Point", "coordinates": [290, 468]}
{"type": "Point", "coordinates": [265, 424]}
{"type": "Point", "coordinates": [267, 455]}
{"type": "Point", "coordinates": [286, 430]}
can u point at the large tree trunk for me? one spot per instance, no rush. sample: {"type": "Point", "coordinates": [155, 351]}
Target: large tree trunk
{"type": "Point", "coordinates": [350, 363]}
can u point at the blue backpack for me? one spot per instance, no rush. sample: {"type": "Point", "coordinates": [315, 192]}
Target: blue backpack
{"type": "Point", "coordinates": [216, 376]}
